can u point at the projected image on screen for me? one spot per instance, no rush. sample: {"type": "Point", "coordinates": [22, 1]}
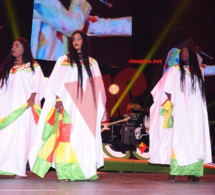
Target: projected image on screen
{"type": "Point", "coordinates": [54, 21]}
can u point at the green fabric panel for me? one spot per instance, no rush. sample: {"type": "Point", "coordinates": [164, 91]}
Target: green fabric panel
{"type": "Point", "coordinates": [49, 129]}
{"type": "Point", "coordinates": [5, 173]}
{"type": "Point", "coordinates": [66, 118]}
{"type": "Point", "coordinates": [94, 177]}
{"type": "Point", "coordinates": [195, 169]}
{"type": "Point", "coordinates": [41, 167]}
{"type": "Point", "coordinates": [12, 117]}
{"type": "Point", "coordinates": [167, 117]}
{"type": "Point", "coordinates": [162, 112]}
{"type": "Point", "coordinates": [37, 110]}
{"type": "Point", "coordinates": [69, 171]}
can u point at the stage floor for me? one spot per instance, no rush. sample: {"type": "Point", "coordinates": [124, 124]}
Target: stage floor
{"type": "Point", "coordinates": [112, 183]}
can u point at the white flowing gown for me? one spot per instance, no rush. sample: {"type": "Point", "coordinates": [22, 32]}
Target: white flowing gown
{"type": "Point", "coordinates": [16, 139]}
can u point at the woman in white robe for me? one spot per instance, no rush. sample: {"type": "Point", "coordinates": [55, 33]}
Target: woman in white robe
{"type": "Point", "coordinates": [21, 81]}
{"type": "Point", "coordinates": [75, 87]}
{"type": "Point", "coordinates": [179, 129]}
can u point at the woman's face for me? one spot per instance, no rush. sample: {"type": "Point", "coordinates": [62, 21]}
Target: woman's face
{"type": "Point", "coordinates": [185, 55]}
{"type": "Point", "coordinates": [17, 50]}
{"type": "Point", "coordinates": [77, 42]}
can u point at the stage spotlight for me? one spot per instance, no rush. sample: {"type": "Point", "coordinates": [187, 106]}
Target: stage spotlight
{"type": "Point", "coordinates": [114, 89]}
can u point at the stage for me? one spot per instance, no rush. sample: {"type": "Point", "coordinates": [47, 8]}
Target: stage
{"type": "Point", "coordinates": [135, 159]}
{"type": "Point", "coordinates": [108, 183]}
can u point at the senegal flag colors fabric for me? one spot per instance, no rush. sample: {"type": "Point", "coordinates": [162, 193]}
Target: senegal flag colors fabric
{"type": "Point", "coordinates": [166, 111]}
{"type": "Point", "coordinates": [4, 122]}
{"type": "Point", "coordinates": [57, 149]}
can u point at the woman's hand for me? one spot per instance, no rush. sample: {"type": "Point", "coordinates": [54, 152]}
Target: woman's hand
{"type": "Point", "coordinates": [168, 96]}
{"type": "Point", "coordinates": [31, 101]}
{"type": "Point", "coordinates": [58, 105]}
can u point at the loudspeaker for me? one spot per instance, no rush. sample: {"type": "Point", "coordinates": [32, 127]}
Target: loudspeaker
{"type": "Point", "coordinates": [113, 135]}
{"type": "Point", "coordinates": [128, 135]}
{"type": "Point", "coordinates": [116, 133]}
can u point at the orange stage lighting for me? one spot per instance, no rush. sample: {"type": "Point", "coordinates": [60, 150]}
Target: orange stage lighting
{"type": "Point", "coordinates": [114, 89]}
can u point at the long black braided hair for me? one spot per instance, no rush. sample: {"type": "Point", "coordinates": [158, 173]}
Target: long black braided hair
{"type": "Point", "coordinates": [195, 71]}
{"type": "Point", "coordinates": [76, 58]}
